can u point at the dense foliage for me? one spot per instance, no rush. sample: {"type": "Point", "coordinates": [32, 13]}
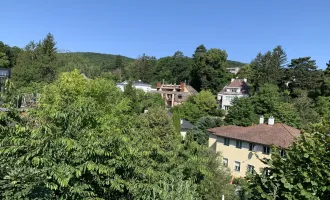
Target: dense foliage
{"type": "Point", "coordinates": [86, 140]}
{"type": "Point", "coordinates": [199, 105]}
{"type": "Point", "coordinates": [303, 174]}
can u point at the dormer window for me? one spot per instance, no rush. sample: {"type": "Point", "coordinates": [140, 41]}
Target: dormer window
{"type": "Point", "coordinates": [233, 90]}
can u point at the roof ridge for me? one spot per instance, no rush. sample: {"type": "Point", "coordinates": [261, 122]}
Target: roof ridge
{"type": "Point", "coordinates": [287, 130]}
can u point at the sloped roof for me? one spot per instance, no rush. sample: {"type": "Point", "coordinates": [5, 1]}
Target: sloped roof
{"type": "Point", "coordinates": [191, 90]}
{"type": "Point", "coordinates": [279, 134]}
{"type": "Point", "coordinates": [237, 83]}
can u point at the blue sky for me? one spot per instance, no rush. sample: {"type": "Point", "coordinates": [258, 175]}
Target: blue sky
{"type": "Point", "coordinates": [161, 27]}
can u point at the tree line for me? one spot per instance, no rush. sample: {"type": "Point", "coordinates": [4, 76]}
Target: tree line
{"type": "Point", "coordinates": [39, 63]}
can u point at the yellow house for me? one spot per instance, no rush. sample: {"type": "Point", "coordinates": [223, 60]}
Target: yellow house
{"type": "Point", "coordinates": [240, 145]}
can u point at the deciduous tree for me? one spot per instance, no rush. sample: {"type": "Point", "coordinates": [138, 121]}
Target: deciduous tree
{"type": "Point", "coordinates": [303, 174]}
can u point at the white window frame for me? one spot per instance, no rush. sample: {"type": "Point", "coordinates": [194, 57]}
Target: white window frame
{"type": "Point", "coordinates": [225, 163]}
{"type": "Point", "coordinates": [250, 168]}
{"type": "Point", "coordinates": [239, 166]}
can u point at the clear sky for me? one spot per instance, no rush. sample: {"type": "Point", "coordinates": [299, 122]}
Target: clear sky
{"type": "Point", "coordinates": [160, 27]}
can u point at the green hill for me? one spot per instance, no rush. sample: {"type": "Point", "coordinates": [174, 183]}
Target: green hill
{"type": "Point", "coordinates": [109, 59]}
{"type": "Point", "coordinates": [101, 59]}
{"type": "Point", "coordinates": [231, 63]}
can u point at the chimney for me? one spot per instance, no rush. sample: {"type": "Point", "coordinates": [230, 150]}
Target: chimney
{"type": "Point", "coordinates": [182, 86]}
{"type": "Point", "coordinates": [261, 120]}
{"type": "Point", "coordinates": [181, 121]}
{"type": "Point", "coordinates": [232, 79]}
{"type": "Point", "coordinates": [145, 110]}
{"type": "Point", "coordinates": [158, 84]}
{"type": "Point", "coordinates": [245, 80]}
{"type": "Point", "coordinates": [271, 121]}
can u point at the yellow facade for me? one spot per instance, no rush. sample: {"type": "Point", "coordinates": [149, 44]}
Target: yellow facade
{"type": "Point", "coordinates": [242, 155]}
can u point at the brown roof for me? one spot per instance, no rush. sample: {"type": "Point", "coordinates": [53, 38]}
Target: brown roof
{"type": "Point", "coordinates": [237, 83]}
{"type": "Point", "coordinates": [279, 134]}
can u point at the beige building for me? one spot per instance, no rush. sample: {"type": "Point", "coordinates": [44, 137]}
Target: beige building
{"type": "Point", "coordinates": [240, 145]}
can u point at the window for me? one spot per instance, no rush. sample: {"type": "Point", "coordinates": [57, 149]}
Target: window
{"type": "Point", "coordinates": [237, 166]}
{"type": "Point", "coordinates": [238, 144]}
{"type": "Point", "coordinates": [225, 162]}
{"type": "Point", "coordinates": [266, 171]}
{"type": "Point", "coordinates": [266, 150]}
{"type": "Point", "coordinates": [250, 169]}
{"type": "Point", "coordinates": [227, 107]}
{"type": "Point", "coordinates": [234, 90]}
{"type": "Point", "coordinates": [282, 152]}
{"type": "Point", "coordinates": [180, 96]}
{"type": "Point", "coordinates": [226, 142]}
{"type": "Point", "coordinates": [251, 146]}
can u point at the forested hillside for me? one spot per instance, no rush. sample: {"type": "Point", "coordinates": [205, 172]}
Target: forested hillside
{"type": "Point", "coordinates": [109, 60]}
{"type": "Point", "coordinates": [100, 59]}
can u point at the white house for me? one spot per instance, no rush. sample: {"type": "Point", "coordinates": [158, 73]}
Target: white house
{"type": "Point", "coordinates": [233, 70]}
{"type": "Point", "coordinates": [236, 88]}
{"type": "Point", "coordinates": [137, 84]}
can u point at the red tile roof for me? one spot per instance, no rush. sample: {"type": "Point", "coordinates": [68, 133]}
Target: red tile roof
{"type": "Point", "coordinates": [280, 135]}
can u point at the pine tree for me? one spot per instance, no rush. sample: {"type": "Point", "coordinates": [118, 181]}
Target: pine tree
{"type": "Point", "coordinates": [177, 121]}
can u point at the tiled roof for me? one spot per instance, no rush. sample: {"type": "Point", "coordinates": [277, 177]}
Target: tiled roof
{"type": "Point", "coordinates": [279, 134]}
{"type": "Point", "coordinates": [237, 83]}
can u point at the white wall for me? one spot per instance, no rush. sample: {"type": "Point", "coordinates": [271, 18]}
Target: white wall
{"type": "Point", "coordinates": [121, 87]}
{"type": "Point", "coordinates": [227, 102]}
{"type": "Point", "coordinates": [144, 88]}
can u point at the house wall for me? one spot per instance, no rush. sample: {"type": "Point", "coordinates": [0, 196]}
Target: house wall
{"type": "Point", "coordinates": [121, 87]}
{"type": "Point", "coordinates": [233, 70]}
{"type": "Point", "coordinates": [183, 134]}
{"type": "Point", "coordinates": [243, 155]}
{"type": "Point", "coordinates": [227, 101]}
{"type": "Point", "coordinates": [144, 88]}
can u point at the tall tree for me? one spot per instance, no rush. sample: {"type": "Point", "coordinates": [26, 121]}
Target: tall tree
{"type": "Point", "coordinates": [303, 74]}
{"type": "Point", "coordinates": [143, 68]}
{"type": "Point", "coordinates": [177, 121]}
{"type": "Point", "coordinates": [174, 69]}
{"type": "Point", "coordinates": [268, 67]}
{"type": "Point", "coordinates": [325, 86]}
{"type": "Point", "coordinates": [209, 71]}
{"type": "Point", "coordinates": [241, 113]}
{"type": "Point", "coordinates": [37, 63]}
{"type": "Point", "coordinates": [4, 61]}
